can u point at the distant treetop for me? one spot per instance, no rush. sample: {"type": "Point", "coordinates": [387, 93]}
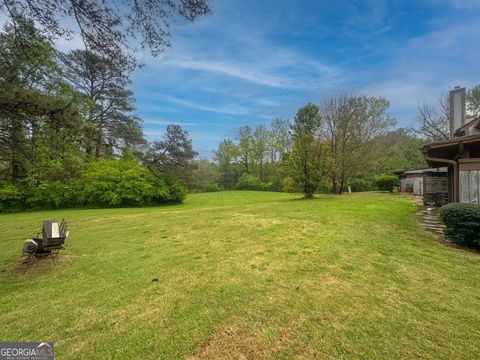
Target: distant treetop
{"type": "Point", "coordinates": [107, 26]}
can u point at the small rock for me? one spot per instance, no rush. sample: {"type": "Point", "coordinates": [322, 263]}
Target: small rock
{"type": "Point", "coordinates": [155, 280]}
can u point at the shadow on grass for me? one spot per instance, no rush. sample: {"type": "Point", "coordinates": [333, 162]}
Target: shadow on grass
{"type": "Point", "coordinates": [93, 207]}
{"type": "Point", "coordinates": [322, 197]}
{"type": "Point", "coordinates": [22, 268]}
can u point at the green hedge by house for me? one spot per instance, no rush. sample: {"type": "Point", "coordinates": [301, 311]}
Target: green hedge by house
{"type": "Point", "coordinates": [462, 223]}
{"type": "Point", "coordinates": [386, 182]}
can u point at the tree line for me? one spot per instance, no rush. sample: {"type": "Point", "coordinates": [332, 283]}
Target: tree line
{"type": "Point", "coordinates": [345, 140]}
{"type": "Point", "coordinates": [69, 134]}
{"type": "Point", "coordinates": [65, 119]}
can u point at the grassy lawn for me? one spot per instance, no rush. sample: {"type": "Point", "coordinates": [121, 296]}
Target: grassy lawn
{"type": "Point", "coordinates": [252, 274]}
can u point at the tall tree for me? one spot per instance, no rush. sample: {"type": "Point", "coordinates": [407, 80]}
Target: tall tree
{"type": "Point", "coordinates": [107, 27]}
{"type": "Point", "coordinates": [433, 119]}
{"type": "Point", "coordinates": [245, 147]}
{"type": "Point", "coordinates": [260, 150]}
{"type": "Point", "coordinates": [307, 161]}
{"type": "Point", "coordinates": [34, 102]}
{"type": "Point", "coordinates": [227, 156]}
{"type": "Point", "coordinates": [173, 153]}
{"type": "Point", "coordinates": [473, 100]}
{"type": "Point", "coordinates": [280, 140]}
{"type": "Point", "coordinates": [400, 150]}
{"type": "Point", "coordinates": [104, 83]}
{"type": "Point", "coordinates": [205, 176]}
{"type": "Point", "coordinates": [351, 123]}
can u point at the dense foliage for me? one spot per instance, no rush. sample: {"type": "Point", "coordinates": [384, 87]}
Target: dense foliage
{"type": "Point", "coordinates": [108, 182]}
{"type": "Point", "coordinates": [463, 223]}
{"type": "Point", "coordinates": [307, 162]}
{"type": "Point", "coordinates": [386, 182]}
{"type": "Point", "coordinates": [362, 183]}
{"type": "Point", "coordinates": [125, 183]}
{"type": "Point", "coordinates": [255, 151]}
{"type": "Point", "coordinates": [107, 27]}
{"type": "Point", "coordinates": [352, 140]}
{"type": "Point", "coordinates": [65, 120]}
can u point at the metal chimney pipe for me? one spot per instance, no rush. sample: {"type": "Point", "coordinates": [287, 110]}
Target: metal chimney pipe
{"type": "Point", "coordinates": [457, 109]}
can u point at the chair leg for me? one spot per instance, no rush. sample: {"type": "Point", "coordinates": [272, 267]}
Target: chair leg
{"type": "Point", "coordinates": [54, 255]}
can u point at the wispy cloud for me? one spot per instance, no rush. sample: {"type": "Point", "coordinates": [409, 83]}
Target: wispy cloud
{"type": "Point", "coordinates": [270, 58]}
{"type": "Point", "coordinates": [425, 67]}
{"type": "Point", "coordinates": [459, 4]}
{"type": "Point", "coordinates": [273, 73]}
{"type": "Point", "coordinates": [229, 69]}
{"type": "Point", "coordinates": [168, 122]}
{"type": "Point", "coordinates": [232, 109]}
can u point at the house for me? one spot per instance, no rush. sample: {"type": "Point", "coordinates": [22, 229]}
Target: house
{"type": "Point", "coordinates": [431, 183]}
{"type": "Point", "coordinates": [460, 153]}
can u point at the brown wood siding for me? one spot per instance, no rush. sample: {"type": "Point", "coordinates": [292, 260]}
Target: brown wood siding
{"type": "Point", "coordinates": [469, 164]}
{"type": "Point", "coordinates": [470, 186]}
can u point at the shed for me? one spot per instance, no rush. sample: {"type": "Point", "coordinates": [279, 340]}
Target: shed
{"type": "Point", "coordinates": [431, 183]}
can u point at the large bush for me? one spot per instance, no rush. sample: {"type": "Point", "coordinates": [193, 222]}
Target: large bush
{"type": "Point", "coordinates": [463, 223]}
{"type": "Point", "coordinates": [126, 183]}
{"type": "Point", "coordinates": [12, 197]}
{"type": "Point", "coordinates": [168, 190]}
{"type": "Point", "coordinates": [249, 182]}
{"type": "Point", "coordinates": [51, 195]}
{"type": "Point", "coordinates": [386, 182]}
{"type": "Point", "coordinates": [359, 184]}
{"type": "Point", "coordinates": [252, 182]}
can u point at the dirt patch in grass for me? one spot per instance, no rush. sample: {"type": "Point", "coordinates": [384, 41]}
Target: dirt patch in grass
{"type": "Point", "coordinates": [23, 268]}
{"type": "Point", "coordinates": [232, 343]}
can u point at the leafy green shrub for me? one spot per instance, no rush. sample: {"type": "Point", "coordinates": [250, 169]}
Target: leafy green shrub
{"type": "Point", "coordinates": [173, 192]}
{"type": "Point", "coordinates": [463, 223]}
{"type": "Point", "coordinates": [275, 185]}
{"type": "Point", "coordinates": [289, 185]}
{"type": "Point", "coordinates": [249, 182]}
{"type": "Point", "coordinates": [120, 183]}
{"type": "Point", "coordinates": [50, 194]}
{"type": "Point", "coordinates": [12, 197]}
{"type": "Point", "coordinates": [213, 188]}
{"type": "Point", "coordinates": [386, 182]}
{"type": "Point", "coordinates": [360, 184]}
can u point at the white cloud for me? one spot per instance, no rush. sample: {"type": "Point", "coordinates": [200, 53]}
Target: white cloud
{"type": "Point", "coordinates": [232, 109]}
{"type": "Point", "coordinates": [459, 4]}
{"type": "Point", "coordinates": [229, 69]}
{"type": "Point", "coordinates": [168, 122]}
{"type": "Point", "coordinates": [424, 67]}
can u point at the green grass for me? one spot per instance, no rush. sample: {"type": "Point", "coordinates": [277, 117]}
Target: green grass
{"type": "Point", "coordinates": [252, 274]}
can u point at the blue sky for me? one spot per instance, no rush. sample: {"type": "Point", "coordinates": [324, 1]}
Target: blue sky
{"type": "Point", "coordinates": [249, 62]}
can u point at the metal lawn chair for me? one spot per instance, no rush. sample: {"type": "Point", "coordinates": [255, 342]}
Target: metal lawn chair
{"type": "Point", "coordinates": [51, 242]}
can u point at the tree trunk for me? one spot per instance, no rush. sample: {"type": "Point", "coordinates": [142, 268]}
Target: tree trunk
{"type": "Point", "coordinates": [342, 184]}
{"type": "Point", "coordinates": [16, 144]}
{"type": "Point", "coordinates": [334, 184]}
